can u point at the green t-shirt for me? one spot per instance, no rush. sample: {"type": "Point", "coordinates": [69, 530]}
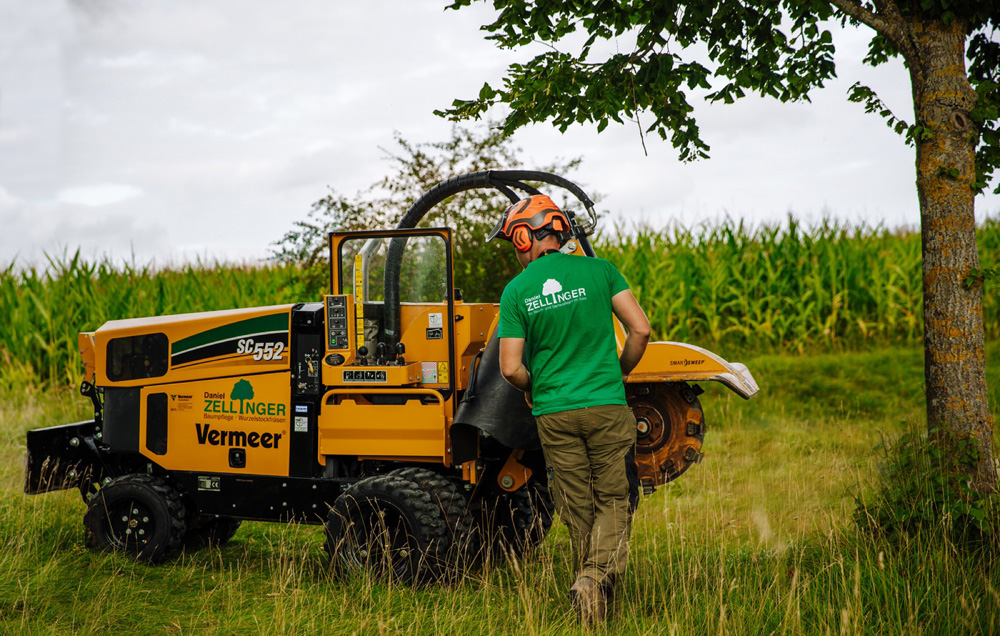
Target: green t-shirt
{"type": "Point", "coordinates": [561, 306]}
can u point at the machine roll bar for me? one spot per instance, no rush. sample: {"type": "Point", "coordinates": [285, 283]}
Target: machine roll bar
{"type": "Point", "coordinates": [506, 181]}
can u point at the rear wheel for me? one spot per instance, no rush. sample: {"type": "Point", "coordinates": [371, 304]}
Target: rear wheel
{"type": "Point", "coordinates": [511, 523]}
{"type": "Point", "coordinates": [389, 526]}
{"type": "Point", "coordinates": [140, 515]}
{"type": "Point", "coordinates": [210, 532]}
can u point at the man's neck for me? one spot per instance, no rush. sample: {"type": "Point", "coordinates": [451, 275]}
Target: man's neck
{"type": "Point", "coordinates": [548, 247]}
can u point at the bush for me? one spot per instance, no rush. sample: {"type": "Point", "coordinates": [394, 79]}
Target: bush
{"type": "Point", "coordinates": [925, 487]}
{"type": "Point", "coordinates": [481, 270]}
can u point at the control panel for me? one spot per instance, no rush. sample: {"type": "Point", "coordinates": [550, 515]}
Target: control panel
{"type": "Point", "coordinates": [338, 320]}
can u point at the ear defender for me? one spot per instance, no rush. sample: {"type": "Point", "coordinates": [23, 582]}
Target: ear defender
{"type": "Point", "coordinates": [521, 237]}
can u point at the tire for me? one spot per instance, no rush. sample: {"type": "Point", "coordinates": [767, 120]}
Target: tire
{"type": "Point", "coordinates": [210, 532]}
{"type": "Point", "coordinates": [460, 551]}
{"type": "Point", "coordinates": [512, 523]}
{"type": "Point", "coordinates": [139, 515]}
{"type": "Point", "coordinates": [387, 525]}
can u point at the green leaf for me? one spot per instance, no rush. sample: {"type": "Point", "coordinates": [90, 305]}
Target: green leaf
{"type": "Point", "coordinates": [779, 49]}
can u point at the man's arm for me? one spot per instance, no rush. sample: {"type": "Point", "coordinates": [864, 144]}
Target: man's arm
{"type": "Point", "coordinates": [513, 370]}
{"type": "Point", "coordinates": [627, 308]}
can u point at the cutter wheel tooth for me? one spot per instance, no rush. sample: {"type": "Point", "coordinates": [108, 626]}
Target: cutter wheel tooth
{"type": "Point", "coordinates": [692, 456]}
{"type": "Point", "coordinates": [648, 487]}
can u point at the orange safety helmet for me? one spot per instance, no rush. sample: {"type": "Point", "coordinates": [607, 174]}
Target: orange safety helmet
{"type": "Point", "coordinates": [527, 216]}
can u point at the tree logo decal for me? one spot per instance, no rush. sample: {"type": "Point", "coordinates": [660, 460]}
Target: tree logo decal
{"type": "Point", "coordinates": [242, 391]}
{"type": "Point", "coordinates": [550, 287]}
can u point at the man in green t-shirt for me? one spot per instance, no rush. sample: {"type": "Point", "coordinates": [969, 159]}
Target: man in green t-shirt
{"type": "Point", "coordinates": [558, 316]}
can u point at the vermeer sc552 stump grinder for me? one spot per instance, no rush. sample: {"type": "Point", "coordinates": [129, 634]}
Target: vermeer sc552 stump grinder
{"type": "Point", "coordinates": [378, 410]}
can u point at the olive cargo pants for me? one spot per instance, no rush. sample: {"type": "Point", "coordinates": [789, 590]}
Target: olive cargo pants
{"type": "Point", "coordinates": [593, 482]}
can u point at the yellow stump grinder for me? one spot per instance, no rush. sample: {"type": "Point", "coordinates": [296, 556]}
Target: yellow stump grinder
{"type": "Point", "coordinates": [378, 411]}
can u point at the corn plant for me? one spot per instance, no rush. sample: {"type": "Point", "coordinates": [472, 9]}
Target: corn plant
{"type": "Point", "coordinates": [784, 287]}
{"type": "Point", "coordinates": [727, 286]}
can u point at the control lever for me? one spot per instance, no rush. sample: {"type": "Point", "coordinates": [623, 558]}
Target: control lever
{"type": "Point", "coordinates": [400, 350]}
{"type": "Point", "coordinates": [380, 351]}
{"type": "Point", "coordinates": [363, 356]}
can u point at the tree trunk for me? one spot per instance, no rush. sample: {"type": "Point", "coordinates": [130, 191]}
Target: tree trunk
{"type": "Point", "coordinates": [954, 364]}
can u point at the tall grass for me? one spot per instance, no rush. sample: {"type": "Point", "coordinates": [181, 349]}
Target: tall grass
{"type": "Point", "coordinates": [756, 539]}
{"type": "Point", "coordinates": [728, 287]}
{"type": "Point", "coordinates": [785, 287]}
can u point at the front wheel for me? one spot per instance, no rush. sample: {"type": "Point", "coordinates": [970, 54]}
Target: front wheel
{"type": "Point", "coordinates": [448, 497]}
{"type": "Point", "coordinates": [389, 526]}
{"type": "Point", "coordinates": [139, 515]}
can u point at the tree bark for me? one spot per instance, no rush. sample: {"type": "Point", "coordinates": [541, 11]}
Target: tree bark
{"type": "Point", "coordinates": [954, 362]}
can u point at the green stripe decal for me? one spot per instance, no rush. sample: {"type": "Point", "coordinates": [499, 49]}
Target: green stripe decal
{"type": "Point", "coordinates": [259, 324]}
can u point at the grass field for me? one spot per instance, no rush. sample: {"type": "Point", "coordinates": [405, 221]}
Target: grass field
{"type": "Point", "coordinates": [757, 539]}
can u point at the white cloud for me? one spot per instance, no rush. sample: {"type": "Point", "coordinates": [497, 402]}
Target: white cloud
{"type": "Point", "coordinates": [32, 232]}
{"type": "Point", "coordinates": [8, 202]}
{"type": "Point", "coordinates": [208, 128]}
{"type": "Point", "coordinates": [98, 195]}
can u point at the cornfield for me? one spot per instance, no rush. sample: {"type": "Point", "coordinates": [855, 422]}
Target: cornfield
{"type": "Point", "coordinates": [785, 288]}
{"type": "Point", "coordinates": [44, 309]}
{"type": "Point", "coordinates": [726, 287]}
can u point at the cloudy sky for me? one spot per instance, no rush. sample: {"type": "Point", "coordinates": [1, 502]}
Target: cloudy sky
{"type": "Point", "coordinates": [180, 129]}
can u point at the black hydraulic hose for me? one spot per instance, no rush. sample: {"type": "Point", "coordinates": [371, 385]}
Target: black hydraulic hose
{"type": "Point", "coordinates": [394, 255]}
{"type": "Point", "coordinates": [501, 180]}
{"type": "Point", "coordinates": [507, 192]}
{"type": "Point", "coordinates": [545, 177]}
{"type": "Point", "coordinates": [524, 186]}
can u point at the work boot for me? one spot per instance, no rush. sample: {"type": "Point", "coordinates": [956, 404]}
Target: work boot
{"type": "Point", "coordinates": [587, 599]}
{"type": "Point", "coordinates": [608, 586]}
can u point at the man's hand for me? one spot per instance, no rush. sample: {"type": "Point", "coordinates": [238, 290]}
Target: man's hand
{"type": "Point", "coordinates": [527, 398]}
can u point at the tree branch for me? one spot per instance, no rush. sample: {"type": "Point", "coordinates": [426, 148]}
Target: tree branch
{"type": "Point", "coordinates": [901, 30]}
{"type": "Point", "coordinates": [887, 22]}
{"type": "Point", "coordinates": [854, 9]}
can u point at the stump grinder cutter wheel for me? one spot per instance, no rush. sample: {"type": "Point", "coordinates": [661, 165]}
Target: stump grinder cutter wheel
{"type": "Point", "coordinates": [670, 429]}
